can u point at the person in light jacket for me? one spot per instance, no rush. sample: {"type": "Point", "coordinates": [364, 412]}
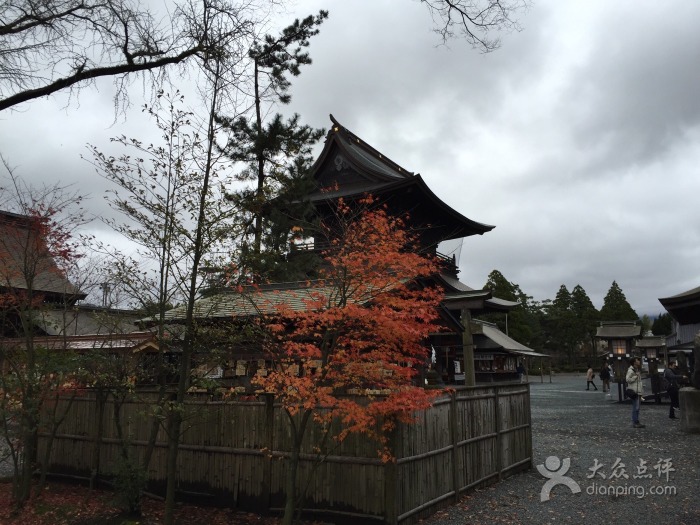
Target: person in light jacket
{"type": "Point", "coordinates": [589, 378]}
{"type": "Point", "coordinates": [634, 382]}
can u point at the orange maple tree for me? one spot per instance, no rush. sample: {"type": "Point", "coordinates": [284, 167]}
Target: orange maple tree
{"type": "Point", "coordinates": [353, 350]}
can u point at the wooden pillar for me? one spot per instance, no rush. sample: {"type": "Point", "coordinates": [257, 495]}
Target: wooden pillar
{"type": "Point", "coordinates": [468, 348]}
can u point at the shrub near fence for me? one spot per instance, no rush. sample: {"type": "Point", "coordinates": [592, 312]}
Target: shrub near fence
{"type": "Point", "coordinates": [231, 454]}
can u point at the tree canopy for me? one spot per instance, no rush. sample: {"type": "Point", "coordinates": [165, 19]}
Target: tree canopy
{"type": "Point", "coordinates": [276, 154]}
{"type": "Point", "coordinates": [586, 316]}
{"type": "Point", "coordinates": [616, 307]}
{"type": "Point", "coordinates": [519, 323]}
{"type": "Point", "coordinates": [565, 326]}
{"type": "Point", "coordinates": [352, 353]}
{"type": "Point", "coordinates": [663, 324]}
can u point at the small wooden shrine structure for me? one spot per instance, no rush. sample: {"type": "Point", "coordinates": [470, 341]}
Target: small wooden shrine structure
{"type": "Point", "coordinates": [619, 338]}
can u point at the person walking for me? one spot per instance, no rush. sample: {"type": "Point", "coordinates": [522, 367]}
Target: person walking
{"type": "Point", "coordinates": [671, 377]}
{"type": "Point", "coordinates": [605, 377]}
{"type": "Point", "coordinates": [634, 383]}
{"type": "Point", "coordinates": [589, 378]}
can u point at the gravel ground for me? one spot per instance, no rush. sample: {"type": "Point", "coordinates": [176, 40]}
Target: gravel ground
{"type": "Point", "coordinates": [591, 429]}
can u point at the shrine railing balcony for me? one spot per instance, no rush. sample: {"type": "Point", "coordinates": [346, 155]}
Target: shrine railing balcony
{"type": "Point", "coordinates": [448, 263]}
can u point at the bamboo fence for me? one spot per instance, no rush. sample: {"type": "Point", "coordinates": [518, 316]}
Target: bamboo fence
{"type": "Point", "coordinates": [232, 453]}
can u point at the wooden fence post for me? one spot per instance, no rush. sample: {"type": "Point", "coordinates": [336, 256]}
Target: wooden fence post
{"type": "Point", "coordinates": [529, 422]}
{"type": "Point", "coordinates": [269, 444]}
{"type": "Point", "coordinates": [100, 400]}
{"type": "Point", "coordinates": [499, 439]}
{"type": "Point", "coordinates": [454, 439]}
{"type": "Point", "coordinates": [391, 506]}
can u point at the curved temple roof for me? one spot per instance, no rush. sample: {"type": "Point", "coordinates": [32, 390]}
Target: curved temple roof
{"type": "Point", "coordinates": [684, 307]}
{"type": "Point", "coordinates": [349, 167]}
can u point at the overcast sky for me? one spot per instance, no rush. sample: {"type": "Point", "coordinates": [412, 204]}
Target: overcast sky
{"type": "Point", "coordinates": [579, 139]}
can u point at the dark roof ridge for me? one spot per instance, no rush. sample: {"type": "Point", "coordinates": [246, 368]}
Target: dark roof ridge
{"type": "Point", "coordinates": [339, 128]}
{"type": "Point", "coordinates": [8, 217]}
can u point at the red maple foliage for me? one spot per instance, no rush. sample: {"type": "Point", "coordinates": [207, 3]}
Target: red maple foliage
{"type": "Point", "coordinates": [351, 353]}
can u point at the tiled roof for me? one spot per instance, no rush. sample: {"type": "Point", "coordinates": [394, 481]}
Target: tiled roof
{"type": "Point", "coordinates": [651, 342]}
{"type": "Point", "coordinates": [22, 255]}
{"type": "Point", "coordinates": [498, 339]}
{"type": "Point", "coordinates": [619, 331]}
{"type": "Point", "coordinates": [132, 341]}
{"type": "Point", "coordinates": [254, 301]}
{"type": "Point", "coordinates": [690, 294]}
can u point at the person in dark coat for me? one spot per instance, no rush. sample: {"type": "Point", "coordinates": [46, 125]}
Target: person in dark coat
{"type": "Point", "coordinates": [605, 377]}
{"type": "Point", "coordinates": [671, 378]}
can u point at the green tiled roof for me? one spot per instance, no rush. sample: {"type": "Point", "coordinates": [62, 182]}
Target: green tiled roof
{"type": "Point", "coordinates": [254, 301]}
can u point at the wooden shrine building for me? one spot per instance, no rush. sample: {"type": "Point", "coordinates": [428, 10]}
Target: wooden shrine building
{"type": "Point", "coordinates": [351, 169]}
{"type": "Point", "coordinates": [684, 309]}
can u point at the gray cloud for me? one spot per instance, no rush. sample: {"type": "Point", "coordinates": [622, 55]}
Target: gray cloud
{"type": "Point", "coordinates": [579, 139]}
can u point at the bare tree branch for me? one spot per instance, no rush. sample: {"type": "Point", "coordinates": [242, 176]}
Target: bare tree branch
{"type": "Point", "coordinates": [51, 45]}
{"type": "Point", "coordinates": [82, 74]}
{"type": "Point", "coordinates": [476, 20]}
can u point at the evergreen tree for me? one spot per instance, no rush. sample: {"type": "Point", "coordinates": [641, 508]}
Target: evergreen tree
{"type": "Point", "coordinates": [615, 306]}
{"type": "Point", "coordinates": [662, 325]}
{"type": "Point", "coordinates": [585, 317]}
{"type": "Point", "coordinates": [541, 335]}
{"type": "Point", "coordinates": [277, 156]}
{"type": "Point", "coordinates": [561, 324]}
{"type": "Point", "coordinates": [519, 322]}
{"type": "Point", "coordinates": [500, 286]}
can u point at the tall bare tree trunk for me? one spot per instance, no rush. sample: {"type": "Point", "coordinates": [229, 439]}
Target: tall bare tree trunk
{"type": "Point", "coordinates": [185, 368]}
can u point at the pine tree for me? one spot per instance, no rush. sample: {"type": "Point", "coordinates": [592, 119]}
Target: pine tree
{"type": "Point", "coordinates": [561, 324]}
{"type": "Point", "coordinates": [519, 323]}
{"type": "Point", "coordinates": [615, 306]}
{"type": "Point", "coordinates": [663, 324]}
{"type": "Point", "coordinates": [586, 316]}
{"type": "Point", "coordinates": [277, 156]}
